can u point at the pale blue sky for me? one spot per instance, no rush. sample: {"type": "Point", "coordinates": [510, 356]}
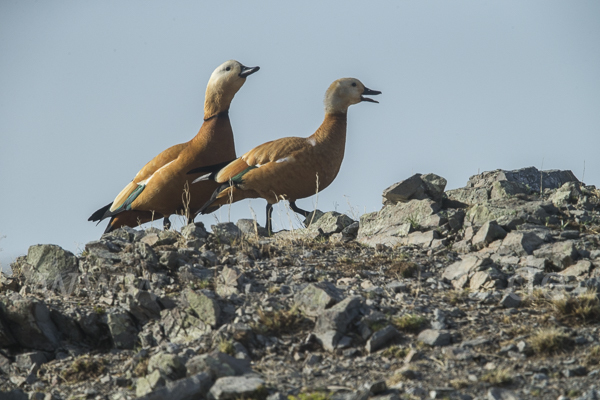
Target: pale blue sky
{"type": "Point", "coordinates": [92, 90]}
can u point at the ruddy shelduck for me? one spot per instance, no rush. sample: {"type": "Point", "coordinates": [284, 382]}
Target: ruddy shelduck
{"type": "Point", "coordinates": [162, 187]}
{"type": "Point", "coordinates": [291, 168]}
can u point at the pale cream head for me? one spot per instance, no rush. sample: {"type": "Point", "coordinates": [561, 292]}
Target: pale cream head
{"type": "Point", "coordinates": [345, 92]}
{"type": "Point", "coordinates": [223, 84]}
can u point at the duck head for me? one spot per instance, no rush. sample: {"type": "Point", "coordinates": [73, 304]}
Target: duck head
{"type": "Point", "coordinates": [223, 84]}
{"type": "Point", "coordinates": [345, 92]}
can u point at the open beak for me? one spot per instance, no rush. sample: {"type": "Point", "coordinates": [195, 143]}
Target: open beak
{"type": "Point", "coordinates": [246, 71]}
{"type": "Point", "coordinates": [371, 92]}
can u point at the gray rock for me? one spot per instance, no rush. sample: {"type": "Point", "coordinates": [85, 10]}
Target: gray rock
{"type": "Point", "coordinates": [250, 227]}
{"type": "Point", "coordinates": [329, 339]}
{"type": "Point", "coordinates": [143, 305]}
{"type": "Point", "coordinates": [194, 387]}
{"type": "Point", "coordinates": [5, 364]}
{"type": "Point", "coordinates": [316, 297]}
{"type": "Point", "coordinates": [376, 387]}
{"type": "Point", "coordinates": [194, 230]}
{"type": "Point", "coordinates": [235, 387]}
{"type": "Point", "coordinates": [26, 360]}
{"type": "Point", "coordinates": [388, 226]}
{"type": "Point", "coordinates": [382, 338]}
{"type": "Point", "coordinates": [566, 194]}
{"type": "Point", "coordinates": [15, 394]}
{"type": "Point", "coordinates": [51, 265]}
{"type": "Point", "coordinates": [501, 394]}
{"type": "Point", "coordinates": [397, 286]}
{"type": "Point", "coordinates": [530, 177]}
{"type": "Point", "coordinates": [226, 232]}
{"type": "Point", "coordinates": [560, 254]}
{"type": "Point", "coordinates": [581, 268]}
{"type": "Point", "coordinates": [522, 243]}
{"type": "Point", "coordinates": [465, 266]}
{"type": "Point", "coordinates": [488, 232]}
{"type": "Point", "coordinates": [510, 300]}
{"type": "Point", "coordinates": [424, 239]}
{"type": "Point", "coordinates": [506, 189]}
{"type": "Point", "coordinates": [29, 323]}
{"type": "Point", "coordinates": [417, 187]}
{"type": "Point", "coordinates": [169, 365]}
{"type": "Point", "coordinates": [338, 317]}
{"type": "Point", "coordinates": [206, 308]}
{"type": "Point", "coordinates": [217, 365]}
{"type": "Point", "coordinates": [403, 191]}
{"type": "Point", "coordinates": [577, 371]}
{"type": "Point", "coordinates": [331, 222]}
{"type": "Point", "coordinates": [277, 396]}
{"type": "Point", "coordinates": [532, 275]}
{"type": "Point", "coordinates": [231, 277]}
{"type": "Point", "coordinates": [350, 232]}
{"type": "Point", "coordinates": [434, 186]}
{"type": "Point", "coordinates": [122, 330]}
{"type": "Point", "coordinates": [434, 337]}
{"type": "Point", "coordinates": [469, 196]}
{"type": "Point", "coordinates": [149, 383]}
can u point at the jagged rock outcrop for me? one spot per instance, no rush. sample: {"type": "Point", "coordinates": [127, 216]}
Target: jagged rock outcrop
{"type": "Point", "coordinates": [446, 294]}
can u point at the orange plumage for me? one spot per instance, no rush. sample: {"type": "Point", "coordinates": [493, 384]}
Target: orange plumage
{"type": "Point", "coordinates": [158, 189]}
{"type": "Point", "coordinates": [292, 168]}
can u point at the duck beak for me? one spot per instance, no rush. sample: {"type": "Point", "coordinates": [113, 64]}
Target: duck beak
{"type": "Point", "coordinates": [246, 71]}
{"type": "Point", "coordinates": [371, 92]}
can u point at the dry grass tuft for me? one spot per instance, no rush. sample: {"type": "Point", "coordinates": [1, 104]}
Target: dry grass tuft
{"type": "Point", "coordinates": [458, 296]}
{"type": "Point", "coordinates": [593, 356]}
{"type": "Point", "coordinates": [141, 369]}
{"type": "Point", "coordinates": [311, 396]}
{"type": "Point", "coordinates": [584, 308]}
{"type": "Point", "coordinates": [549, 340]}
{"type": "Point", "coordinates": [395, 351]}
{"type": "Point", "coordinates": [410, 323]}
{"type": "Point", "coordinates": [226, 346]}
{"type": "Point", "coordinates": [280, 321]}
{"type": "Point", "coordinates": [459, 383]}
{"type": "Point", "coordinates": [84, 368]}
{"type": "Point", "coordinates": [405, 269]}
{"type": "Point", "coordinates": [498, 376]}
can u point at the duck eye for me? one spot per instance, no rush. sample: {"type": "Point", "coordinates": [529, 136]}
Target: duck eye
{"type": "Point", "coordinates": [228, 69]}
{"type": "Point", "coordinates": [354, 84]}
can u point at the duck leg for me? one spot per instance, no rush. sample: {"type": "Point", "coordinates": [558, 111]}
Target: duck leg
{"type": "Point", "coordinates": [298, 210]}
{"type": "Point", "coordinates": [269, 224]}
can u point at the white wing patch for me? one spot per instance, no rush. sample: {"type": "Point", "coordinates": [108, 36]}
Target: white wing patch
{"type": "Point", "coordinates": [312, 141]}
{"type": "Point", "coordinates": [145, 181]}
{"type": "Point", "coordinates": [285, 159]}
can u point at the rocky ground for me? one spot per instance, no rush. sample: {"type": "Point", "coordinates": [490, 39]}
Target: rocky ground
{"type": "Point", "coordinates": [484, 292]}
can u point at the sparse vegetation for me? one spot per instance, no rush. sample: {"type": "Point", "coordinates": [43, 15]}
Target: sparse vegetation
{"type": "Point", "coordinates": [279, 321]}
{"type": "Point", "coordinates": [548, 340]}
{"type": "Point", "coordinates": [459, 383]}
{"type": "Point", "coordinates": [226, 346]}
{"type": "Point", "coordinates": [311, 396]}
{"type": "Point", "coordinates": [458, 296]}
{"type": "Point", "coordinates": [395, 351]}
{"type": "Point", "coordinates": [83, 368]}
{"type": "Point", "coordinates": [404, 269]}
{"type": "Point", "coordinates": [410, 323]}
{"type": "Point", "coordinates": [141, 368]}
{"type": "Point", "coordinates": [593, 356]}
{"type": "Point", "coordinates": [499, 376]}
{"type": "Point", "coordinates": [583, 308]}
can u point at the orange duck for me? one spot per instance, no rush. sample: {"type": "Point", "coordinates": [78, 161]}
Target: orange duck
{"type": "Point", "coordinates": [159, 189]}
{"type": "Point", "coordinates": [291, 168]}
